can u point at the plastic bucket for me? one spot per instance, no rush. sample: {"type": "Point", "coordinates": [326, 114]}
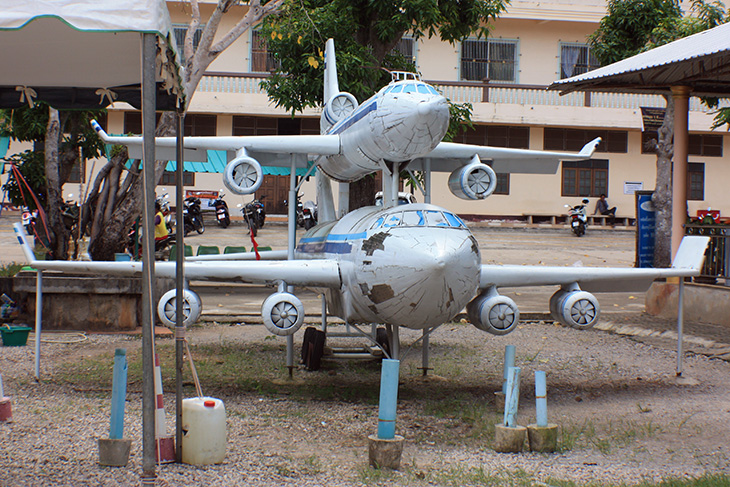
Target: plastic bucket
{"type": "Point", "coordinates": [204, 431]}
{"type": "Point", "coordinates": [15, 336]}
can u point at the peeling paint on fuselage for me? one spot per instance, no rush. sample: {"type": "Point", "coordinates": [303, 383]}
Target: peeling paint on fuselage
{"type": "Point", "coordinates": [414, 265]}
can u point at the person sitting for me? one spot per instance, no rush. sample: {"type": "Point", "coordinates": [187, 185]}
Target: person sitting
{"type": "Point", "coordinates": [160, 226]}
{"type": "Point", "coordinates": [603, 209]}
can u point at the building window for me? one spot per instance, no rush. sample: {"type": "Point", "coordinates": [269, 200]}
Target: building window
{"type": "Point", "coordinates": [585, 178]}
{"type": "Point", "coordinates": [490, 59]}
{"type": "Point", "coordinates": [180, 30]}
{"type": "Point", "coordinates": [406, 46]}
{"type": "Point", "coordinates": [696, 181]}
{"type": "Point", "coordinates": [703, 145]}
{"type": "Point", "coordinates": [496, 136]}
{"type": "Point", "coordinates": [200, 125]}
{"type": "Point", "coordinates": [262, 61]}
{"type": "Point", "coordinates": [574, 139]}
{"type": "Point", "coordinates": [576, 59]}
{"type": "Point", "coordinates": [169, 178]}
{"type": "Point", "coordinates": [133, 122]}
{"type": "Point", "coordinates": [244, 125]}
{"type": "Point", "coordinates": [502, 184]}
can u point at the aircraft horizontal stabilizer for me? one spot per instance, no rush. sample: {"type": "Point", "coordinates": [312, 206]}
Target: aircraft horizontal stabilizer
{"type": "Point", "coordinates": [691, 253]}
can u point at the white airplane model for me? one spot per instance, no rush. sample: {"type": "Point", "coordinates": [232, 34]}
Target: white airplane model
{"type": "Point", "coordinates": [416, 265]}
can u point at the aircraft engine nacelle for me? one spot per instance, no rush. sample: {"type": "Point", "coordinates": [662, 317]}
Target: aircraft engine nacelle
{"type": "Point", "coordinates": [167, 308]}
{"type": "Point", "coordinates": [575, 308]}
{"type": "Point", "coordinates": [243, 175]}
{"type": "Point", "coordinates": [474, 181]}
{"type": "Point", "coordinates": [339, 106]}
{"type": "Point", "coordinates": [282, 314]}
{"type": "Point", "coordinates": [493, 313]}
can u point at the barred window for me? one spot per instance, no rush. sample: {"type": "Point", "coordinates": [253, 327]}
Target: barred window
{"type": "Point", "coordinates": [490, 59]}
{"type": "Point", "coordinates": [576, 59]}
{"type": "Point", "coordinates": [262, 61]}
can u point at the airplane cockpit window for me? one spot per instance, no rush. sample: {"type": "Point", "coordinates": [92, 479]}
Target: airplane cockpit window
{"type": "Point", "coordinates": [432, 90]}
{"type": "Point", "coordinates": [377, 223]}
{"type": "Point", "coordinates": [423, 89]}
{"type": "Point", "coordinates": [392, 220]}
{"type": "Point", "coordinates": [397, 89]}
{"type": "Point", "coordinates": [409, 88]}
{"type": "Point", "coordinates": [454, 220]}
{"type": "Point", "coordinates": [436, 219]}
{"type": "Point", "coordinates": [413, 219]}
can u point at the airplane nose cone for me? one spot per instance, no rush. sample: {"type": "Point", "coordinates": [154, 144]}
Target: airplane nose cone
{"type": "Point", "coordinates": [436, 107]}
{"type": "Point", "coordinates": [431, 275]}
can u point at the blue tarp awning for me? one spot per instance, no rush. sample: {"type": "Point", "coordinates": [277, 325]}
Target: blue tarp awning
{"type": "Point", "coordinates": [217, 161]}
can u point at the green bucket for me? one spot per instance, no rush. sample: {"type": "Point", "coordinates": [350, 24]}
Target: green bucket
{"type": "Point", "coordinates": [15, 336]}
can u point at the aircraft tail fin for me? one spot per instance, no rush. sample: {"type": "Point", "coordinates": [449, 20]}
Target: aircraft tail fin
{"type": "Point", "coordinates": [331, 85]}
{"type": "Point", "coordinates": [691, 253]}
{"type": "Point", "coordinates": [590, 148]}
{"type": "Point", "coordinates": [23, 241]}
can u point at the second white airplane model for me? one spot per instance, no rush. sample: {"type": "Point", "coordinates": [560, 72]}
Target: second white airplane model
{"type": "Point", "coordinates": [416, 265]}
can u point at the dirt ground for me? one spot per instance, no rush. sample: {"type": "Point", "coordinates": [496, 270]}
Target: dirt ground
{"type": "Point", "coordinates": [621, 412]}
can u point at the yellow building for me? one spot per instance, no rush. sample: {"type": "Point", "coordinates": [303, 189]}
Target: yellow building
{"type": "Point", "coordinates": [505, 78]}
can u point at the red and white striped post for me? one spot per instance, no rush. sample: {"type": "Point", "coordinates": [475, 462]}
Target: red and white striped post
{"type": "Point", "coordinates": [164, 443]}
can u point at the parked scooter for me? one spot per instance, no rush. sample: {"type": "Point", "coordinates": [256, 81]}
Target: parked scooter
{"type": "Point", "coordinates": [249, 216]}
{"type": "Point", "coordinates": [578, 218]}
{"type": "Point", "coordinates": [164, 201]}
{"type": "Point", "coordinates": [259, 211]}
{"type": "Point", "coordinates": [306, 213]}
{"type": "Point", "coordinates": [192, 215]}
{"type": "Point", "coordinates": [162, 245]}
{"type": "Point", "coordinates": [221, 210]}
{"type": "Point", "coordinates": [28, 219]}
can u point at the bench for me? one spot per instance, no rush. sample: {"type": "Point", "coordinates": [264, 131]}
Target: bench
{"type": "Point", "coordinates": [542, 218]}
{"type": "Point", "coordinates": [602, 220]}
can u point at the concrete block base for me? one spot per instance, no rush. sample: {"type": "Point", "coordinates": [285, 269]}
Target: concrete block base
{"type": "Point", "coordinates": [114, 453]}
{"type": "Point", "coordinates": [499, 401]}
{"type": "Point", "coordinates": [509, 440]}
{"type": "Point", "coordinates": [543, 439]}
{"type": "Point", "coordinates": [6, 410]}
{"type": "Point", "coordinates": [385, 453]}
{"type": "Point", "coordinates": [165, 449]}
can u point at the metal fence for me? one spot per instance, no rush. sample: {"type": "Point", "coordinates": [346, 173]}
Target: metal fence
{"type": "Point", "coordinates": [717, 255]}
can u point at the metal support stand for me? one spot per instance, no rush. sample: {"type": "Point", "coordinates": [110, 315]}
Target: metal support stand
{"type": "Point", "coordinates": [680, 328]}
{"type": "Point", "coordinates": [38, 322]}
{"type": "Point", "coordinates": [179, 286]}
{"type": "Point", "coordinates": [424, 352]}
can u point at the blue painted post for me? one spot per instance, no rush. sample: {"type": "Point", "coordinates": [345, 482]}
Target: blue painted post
{"type": "Point", "coordinates": [509, 361]}
{"type": "Point", "coordinates": [388, 398]}
{"type": "Point", "coordinates": [541, 399]}
{"type": "Point", "coordinates": [119, 394]}
{"type": "Point", "coordinates": [512, 397]}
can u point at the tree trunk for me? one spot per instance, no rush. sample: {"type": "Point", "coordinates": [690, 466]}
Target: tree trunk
{"type": "Point", "coordinates": [662, 198]}
{"type": "Point", "coordinates": [362, 192]}
{"type": "Point", "coordinates": [58, 244]}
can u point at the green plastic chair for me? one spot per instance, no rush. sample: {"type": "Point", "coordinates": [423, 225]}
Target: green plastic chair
{"type": "Point", "coordinates": [208, 250]}
{"type": "Point", "coordinates": [173, 251]}
{"type": "Point", "coordinates": [264, 249]}
{"type": "Point", "coordinates": [232, 249]}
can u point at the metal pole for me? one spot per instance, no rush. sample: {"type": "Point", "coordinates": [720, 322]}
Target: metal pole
{"type": "Point", "coordinates": [292, 235]}
{"type": "Point", "coordinates": [38, 322]}
{"type": "Point", "coordinates": [680, 328]}
{"type": "Point", "coordinates": [424, 352]}
{"type": "Point", "coordinates": [179, 286]}
{"type": "Point", "coordinates": [149, 50]}
{"type": "Point", "coordinates": [427, 181]}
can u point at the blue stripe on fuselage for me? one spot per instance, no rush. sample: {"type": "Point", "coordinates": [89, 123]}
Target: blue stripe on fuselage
{"type": "Point", "coordinates": [356, 117]}
{"type": "Point", "coordinates": [331, 244]}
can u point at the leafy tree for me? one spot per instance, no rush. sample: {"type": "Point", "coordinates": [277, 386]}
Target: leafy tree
{"type": "Point", "coordinates": [634, 26]}
{"type": "Point", "coordinates": [45, 171]}
{"type": "Point", "coordinates": [116, 197]}
{"type": "Point", "coordinates": [365, 34]}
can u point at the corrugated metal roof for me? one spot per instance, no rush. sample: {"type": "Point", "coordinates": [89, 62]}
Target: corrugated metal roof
{"type": "Point", "coordinates": [217, 161]}
{"type": "Point", "coordinates": [701, 61]}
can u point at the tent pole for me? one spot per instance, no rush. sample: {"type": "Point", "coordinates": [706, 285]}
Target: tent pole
{"type": "Point", "coordinates": [149, 51]}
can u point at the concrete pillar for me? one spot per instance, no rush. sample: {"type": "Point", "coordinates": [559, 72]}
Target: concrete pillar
{"type": "Point", "coordinates": [679, 174]}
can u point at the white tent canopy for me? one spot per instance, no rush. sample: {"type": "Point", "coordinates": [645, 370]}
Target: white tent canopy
{"type": "Point", "coordinates": [84, 54]}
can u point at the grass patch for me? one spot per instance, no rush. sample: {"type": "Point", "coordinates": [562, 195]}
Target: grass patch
{"type": "Point", "coordinates": [603, 436]}
{"type": "Point", "coordinates": [707, 480]}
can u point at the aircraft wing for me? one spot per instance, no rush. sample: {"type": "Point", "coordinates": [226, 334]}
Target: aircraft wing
{"type": "Point", "coordinates": [196, 147]}
{"type": "Point", "coordinates": [311, 273]}
{"type": "Point", "coordinates": [448, 156]}
{"type": "Point", "coordinates": [687, 263]}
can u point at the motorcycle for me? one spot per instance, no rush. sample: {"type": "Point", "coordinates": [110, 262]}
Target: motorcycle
{"type": "Point", "coordinates": [249, 216]}
{"type": "Point", "coordinates": [192, 215]}
{"type": "Point", "coordinates": [221, 210]}
{"type": "Point", "coordinates": [28, 219]}
{"type": "Point", "coordinates": [259, 211]}
{"type": "Point", "coordinates": [578, 218]}
{"type": "Point", "coordinates": [162, 245]}
{"type": "Point", "coordinates": [164, 201]}
{"type": "Point", "coordinates": [306, 213]}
